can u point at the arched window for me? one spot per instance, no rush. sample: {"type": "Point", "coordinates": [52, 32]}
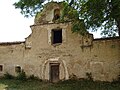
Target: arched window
{"type": "Point", "coordinates": [56, 14]}
{"type": "Point", "coordinates": [17, 69]}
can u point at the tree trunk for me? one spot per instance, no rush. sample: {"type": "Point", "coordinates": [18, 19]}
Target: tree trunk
{"type": "Point", "coordinates": [116, 15]}
{"type": "Point", "coordinates": [118, 25]}
{"type": "Point", "coordinates": [119, 30]}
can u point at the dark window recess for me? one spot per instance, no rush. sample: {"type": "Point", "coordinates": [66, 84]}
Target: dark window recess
{"type": "Point", "coordinates": [57, 17]}
{"type": "Point", "coordinates": [56, 14]}
{"type": "Point", "coordinates": [56, 36]}
{"type": "Point", "coordinates": [17, 69]}
{"type": "Point", "coordinates": [1, 68]}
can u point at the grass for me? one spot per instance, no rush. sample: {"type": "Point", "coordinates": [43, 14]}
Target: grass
{"type": "Point", "coordinates": [12, 84]}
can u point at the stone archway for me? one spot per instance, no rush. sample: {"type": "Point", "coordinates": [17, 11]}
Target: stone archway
{"type": "Point", "coordinates": [62, 66]}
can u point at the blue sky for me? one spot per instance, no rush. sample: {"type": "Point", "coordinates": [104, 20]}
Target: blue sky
{"type": "Point", "coordinates": [13, 25]}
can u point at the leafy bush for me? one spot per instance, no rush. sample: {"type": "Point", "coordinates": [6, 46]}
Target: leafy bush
{"type": "Point", "coordinates": [89, 76]}
{"type": "Point", "coordinates": [21, 75]}
{"type": "Point", "coordinates": [73, 77]}
{"type": "Point", "coordinates": [32, 77]}
{"type": "Point", "coordinates": [116, 80]}
{"type": "Point", "coordinates": [118, 77]}
{"type": "Point", "coordinates": [8, 76]}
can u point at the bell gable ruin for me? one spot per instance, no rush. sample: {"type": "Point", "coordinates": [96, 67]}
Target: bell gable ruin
{"type": "Point", "coordinates": [52, 52]}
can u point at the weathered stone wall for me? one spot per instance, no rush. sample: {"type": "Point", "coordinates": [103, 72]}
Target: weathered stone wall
{"type": "Point", "coordinates": [105, 60]}
{"type": "Point", "coordinates": [77, 55]}
{"type": "Point", "coordinates": [47, 14]}
{"type": "Point", "coordinates": [11, 55]}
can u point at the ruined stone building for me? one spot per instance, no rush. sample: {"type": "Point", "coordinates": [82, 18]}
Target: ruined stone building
{"type": "Point", "coordinates": [52, 52]}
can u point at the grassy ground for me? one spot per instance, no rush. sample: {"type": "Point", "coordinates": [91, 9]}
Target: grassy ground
{"type": "Point", "coordinates": [66, 85]}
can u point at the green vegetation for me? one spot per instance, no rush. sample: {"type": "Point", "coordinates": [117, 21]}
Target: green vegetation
{"type": "Point", "coordinates": [8, 76]}
{"type": "Point", "coordinates": [71, 14]}
{"type": "Point", "coordinates": [22, 82]}
{"type": "Point", "coordinates": [21, 76]}
{"type": "Point", "coordinates": [102, 14]}
{"type": "Point", "coordinates": [63, 85]}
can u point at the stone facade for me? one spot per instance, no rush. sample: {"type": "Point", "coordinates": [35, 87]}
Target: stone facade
{"type": "Point", "coordinates": [48, 59]}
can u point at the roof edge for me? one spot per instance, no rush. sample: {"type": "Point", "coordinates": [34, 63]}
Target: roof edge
{"type": "Point", "coordinates": [11, 43]}
{"type": "Point", "coordinates": [108, 38]}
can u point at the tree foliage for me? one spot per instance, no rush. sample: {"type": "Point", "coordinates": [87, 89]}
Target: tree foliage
{"type": "Point", "coordinates": [71, 14]}
{"type": "Point", "coordinates": [29, 7]}
{"type": "Point", "coordinates": [102, 14]}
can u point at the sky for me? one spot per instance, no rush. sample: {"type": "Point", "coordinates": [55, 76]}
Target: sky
{"type": "Point", "coordinates": [13, 25]}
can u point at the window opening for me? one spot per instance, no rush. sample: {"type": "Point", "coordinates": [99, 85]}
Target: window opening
{"type": "Point", "coordinates": [56, 14]}
{"type": "Point", "coordinates": [17, 69]}
{"type": "Point", "coordinates": [1, 68]}
{"type": "Point", "coordinates": [56, 36]}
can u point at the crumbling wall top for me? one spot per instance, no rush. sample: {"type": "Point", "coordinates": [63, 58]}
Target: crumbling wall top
{"type": "Point", "coordinates": [51, 11]}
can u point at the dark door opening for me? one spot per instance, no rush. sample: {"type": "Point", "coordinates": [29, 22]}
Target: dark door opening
{"type": "Point", "coordinates": [56, 36]}
{"type": "Point", "coordinates": [54, 72]}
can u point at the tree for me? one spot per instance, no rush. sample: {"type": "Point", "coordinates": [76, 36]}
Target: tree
{"type": "Point", "coordinates": [29, 7]}
{"type": "Point", "coordinates": [102, 14]}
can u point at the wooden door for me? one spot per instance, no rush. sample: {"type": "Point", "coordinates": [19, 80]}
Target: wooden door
{"type": "Point", "coordinates": [54, 72]}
